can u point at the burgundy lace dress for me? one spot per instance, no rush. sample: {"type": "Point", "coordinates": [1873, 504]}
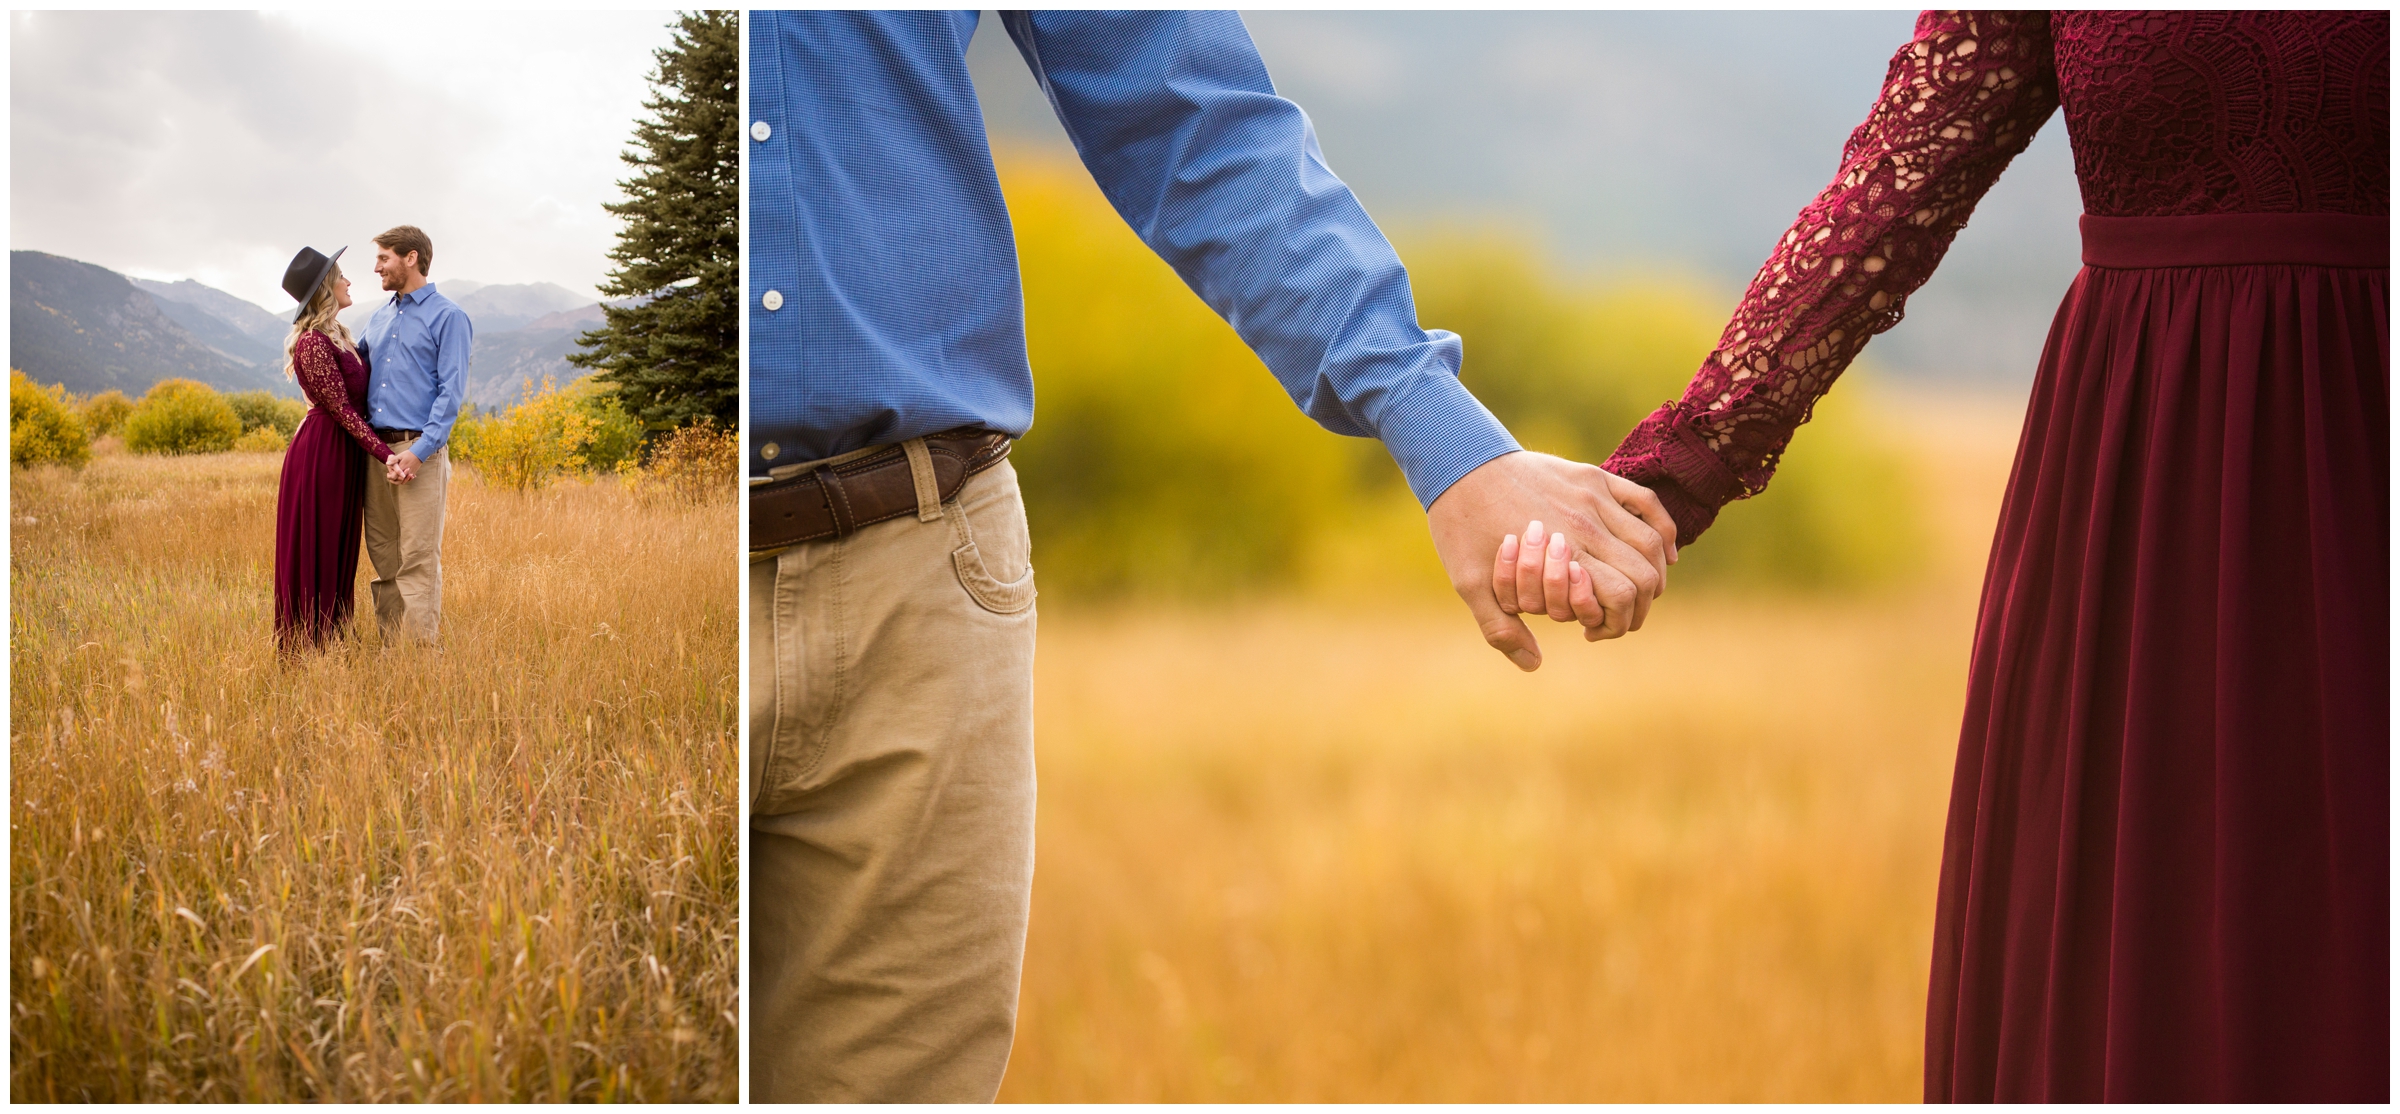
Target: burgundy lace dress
{"type": "Point", "coordinates": [322, 496]}
{"type": "Point", "coordinates": [2167, 864]}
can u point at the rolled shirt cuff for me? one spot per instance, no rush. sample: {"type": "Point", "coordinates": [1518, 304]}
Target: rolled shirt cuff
{"type": "Point", "coordinates": [1439, 432]}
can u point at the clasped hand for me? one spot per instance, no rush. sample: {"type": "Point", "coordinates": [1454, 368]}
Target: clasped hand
{"type": "Point", "coordinates": [400, 467]}
{"type": "Point", "coordinates": [1604, 564]}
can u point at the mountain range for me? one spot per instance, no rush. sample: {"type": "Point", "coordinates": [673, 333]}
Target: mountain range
{"type": "Point", "coordinates": [92, 329]}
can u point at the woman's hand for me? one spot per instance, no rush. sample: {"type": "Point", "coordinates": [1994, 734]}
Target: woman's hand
{"type": "Point", "coordinates": [1616, 527]}
{"type": "Point", "coordinates": [1538, 573]}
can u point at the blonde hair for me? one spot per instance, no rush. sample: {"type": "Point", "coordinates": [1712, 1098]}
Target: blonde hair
{"type": "Point", "coordinates": [318, 317]}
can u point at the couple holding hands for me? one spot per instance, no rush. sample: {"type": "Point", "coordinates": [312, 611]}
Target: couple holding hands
{"type": "Point", "coordinates": [2166, 865]}
{"type": "Point", "coordinates": [393, 395]}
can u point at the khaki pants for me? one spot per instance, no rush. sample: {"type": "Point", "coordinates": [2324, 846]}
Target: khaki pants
{"type": "Point", "coordinates": [891, 757]}
{"type": "Point", "coordinates": [404, 543]}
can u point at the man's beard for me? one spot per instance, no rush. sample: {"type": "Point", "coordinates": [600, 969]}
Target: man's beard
{"type": "Point", "coordinates": [394, 280]}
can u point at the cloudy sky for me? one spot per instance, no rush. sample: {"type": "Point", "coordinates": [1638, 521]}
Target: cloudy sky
{"type": "Point", "coordinates": [213, 145]}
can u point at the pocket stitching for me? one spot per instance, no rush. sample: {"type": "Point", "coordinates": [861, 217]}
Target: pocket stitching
{"type": "Point", "coordinates": [995, 596]}
{"type": "Point", "coordinates": [988, 591]}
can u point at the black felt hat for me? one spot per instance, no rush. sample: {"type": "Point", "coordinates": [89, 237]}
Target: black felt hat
{"type": "Point", "coordinates": [307, 273]}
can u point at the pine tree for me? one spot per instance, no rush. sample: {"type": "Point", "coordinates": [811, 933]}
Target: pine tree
{"type": "Point", "coordinates": [673, 355]}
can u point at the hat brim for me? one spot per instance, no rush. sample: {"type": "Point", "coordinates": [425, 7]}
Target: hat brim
{"type": "Point", "coordinates": [318, 283]}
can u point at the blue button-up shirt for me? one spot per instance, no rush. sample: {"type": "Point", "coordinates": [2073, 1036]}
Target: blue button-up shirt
{"type": "Point", "coordinates": [884, 302]}
{"type": "Point", "coordinates": [416, 348]}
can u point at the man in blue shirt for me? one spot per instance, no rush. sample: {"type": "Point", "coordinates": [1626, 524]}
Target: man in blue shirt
{"type": "Point", "coordinates": [416, 347]}
{"type": "Point", "coordinates": [890, 589]}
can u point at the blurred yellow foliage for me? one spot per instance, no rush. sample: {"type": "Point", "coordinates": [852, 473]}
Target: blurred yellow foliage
{"type": "Point", "coordinates": [1571, 368]}
{"type": "Point", "coordinates": [1165, 461]}
{"type": "Point", "coordinates": [264, 439]}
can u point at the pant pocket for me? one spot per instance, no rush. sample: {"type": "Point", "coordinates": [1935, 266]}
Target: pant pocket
{"type": "Point", "coordinates": [992, 516]}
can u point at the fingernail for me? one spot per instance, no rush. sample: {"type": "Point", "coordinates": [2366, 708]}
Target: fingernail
{"type": "Point", "coordinates": [1526, 660]}
{"type": "Point", "coordinates": [1558, 547]}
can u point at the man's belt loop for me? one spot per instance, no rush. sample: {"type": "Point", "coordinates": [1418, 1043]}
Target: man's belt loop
{"type": "Point", "coordinates": [829, 486]}
{"type": "Point", "coordinates": [929, 489]}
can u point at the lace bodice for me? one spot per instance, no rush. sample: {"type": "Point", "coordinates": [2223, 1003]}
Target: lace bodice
{"type": "Point", "coordinates": [2183, 113]}
{"type": "Point", "coordinates": [335, 380]}
{"type": "Point", "coordinates": [2169, 113]}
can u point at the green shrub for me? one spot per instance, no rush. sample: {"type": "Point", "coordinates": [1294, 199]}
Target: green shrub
{"type": "Point", "coordinates": [182, 416]}
{"type": "Point", "coordinates": [260, 410]}
{"type": "Point", "coordinates": [466, 434]}
{"type": "Point", "coordinates": [104, 412]}
{"type": "Point", "coordinates": [616, 435]}
{"type": "Point", "coordinates": [42, 427]}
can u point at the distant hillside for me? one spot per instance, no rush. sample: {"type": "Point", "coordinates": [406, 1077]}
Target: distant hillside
{"type": "Point", "coordinates": [506, 363]}
{"type": "Point", "coordinates": [581, 317]}
{"type": "Point", "coordinates": [229, 340]}
{"type": "Point", "coordinates": [514, 305]}
{"type": "Point", "coordinates": [91, 329]}
{"type": "Point", "coordinates": [235, 311]}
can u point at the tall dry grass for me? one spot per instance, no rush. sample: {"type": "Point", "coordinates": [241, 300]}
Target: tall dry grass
{"type": "Point", "coordinates": [1337, 853]}
{"type": "Point", "coordinates": [504, 871]}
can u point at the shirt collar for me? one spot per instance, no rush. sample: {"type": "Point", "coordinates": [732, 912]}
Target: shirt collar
{"type": "Point", "coordinates": [419, 296]}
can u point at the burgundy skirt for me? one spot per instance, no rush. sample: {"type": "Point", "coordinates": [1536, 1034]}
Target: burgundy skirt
{"type": "Point", "coordinates": [2167, 864]}
{"type": "Point", "coordinates": [319, 505]}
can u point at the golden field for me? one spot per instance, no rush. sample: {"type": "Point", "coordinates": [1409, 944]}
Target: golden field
{"type": "Point", "coordinates": [503, 871]}
{"type": "Point", "coordinates": [1319, 852]}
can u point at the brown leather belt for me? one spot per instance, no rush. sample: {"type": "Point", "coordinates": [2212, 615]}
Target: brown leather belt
{"type": "Point", "coordinates": [834, 500]}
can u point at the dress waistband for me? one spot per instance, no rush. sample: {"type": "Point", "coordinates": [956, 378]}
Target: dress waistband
{"type": "Point", "coordinates": [2237, 239]}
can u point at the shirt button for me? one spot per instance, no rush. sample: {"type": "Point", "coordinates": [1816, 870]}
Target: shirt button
{"type": "Point", "coordinates": [769, 451]}
{"type": "Point", "coordinates": [773, 300]}
{"type": "Point", "coordinates": [760, 131]}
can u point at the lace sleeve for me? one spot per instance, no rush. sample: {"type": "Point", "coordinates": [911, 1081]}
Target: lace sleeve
{"type": "Point", "coordinates": [1959, 101]}
{"type": "Point", "coordinates": [318, 366]}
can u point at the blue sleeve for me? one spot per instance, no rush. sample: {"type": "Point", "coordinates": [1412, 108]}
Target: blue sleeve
{"type": "Point", "coordinates": [454, 341]}
{"type": "Point", "coordinates": [1175, 118]}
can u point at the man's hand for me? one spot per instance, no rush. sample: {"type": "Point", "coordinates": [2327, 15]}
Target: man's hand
{"type": "Point", "coordinates": [1616, 530]}
{"type": "Point", "coordinates": [402, 467]}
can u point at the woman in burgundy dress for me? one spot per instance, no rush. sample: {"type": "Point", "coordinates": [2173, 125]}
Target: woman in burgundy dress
{"type": "Point", "coordinates": [322, 497]}
{"type": "Point", "coordinates": [2167, 865]}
